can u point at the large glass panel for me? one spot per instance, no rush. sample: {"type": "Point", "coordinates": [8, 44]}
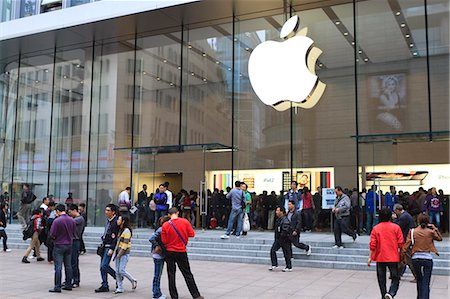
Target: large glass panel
{"type": "Point", "coordinates": [392, 67]}
{"type": "Point", "coordinates": [6, 10]}
{"type": "Point", "coordinates": [438, 35]}
{"type": "Point", "coordinates": [70, 128]}
{"type": "Point", "coordinates": [32, 138]}
{"type": "Point", "coordinates": [8, 93]}
{"type": "Point", "coordinates": [77, 2]}
{"type": "Point", "coordinates": [262, 134]}
{"type": "Point", "coordinates": [111, 127]}
{"type": "Point", "coordinates": [324, 152]}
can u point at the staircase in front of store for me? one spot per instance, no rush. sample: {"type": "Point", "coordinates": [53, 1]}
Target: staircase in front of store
{"type": "Point", "coordinates": [255, 249]}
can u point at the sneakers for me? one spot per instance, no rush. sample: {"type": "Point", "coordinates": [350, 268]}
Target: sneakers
{"type": "Point", "coordinates": [388, 296]}
{"type": "Point", "coordinates": [273, 268]}
{"type": "Point", "coordinates": [134, 284]}
{"type": "Point", "coordinates": [308, 252]}
{"type": "Point", "coordinates": [225, 237]}
{"type": "Point", "coordinates": [7, 250]}
{"type": "Point", "coordinates": [287, 270]}
{"type": "Point", "coordinates": [238, 237]}
{"type": "Point", "coordinates": [25, 260]}
{"type": "Point", "coordinates": [335, 247]}
{"type": "Point", "coordinates": [118, 292]}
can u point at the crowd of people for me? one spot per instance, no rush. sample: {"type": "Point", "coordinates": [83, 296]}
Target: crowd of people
{"type": "Point", "coordinates": [401, 226]}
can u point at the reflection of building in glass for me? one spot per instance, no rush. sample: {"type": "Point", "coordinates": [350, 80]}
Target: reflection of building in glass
{"type": "Point", "coordinates": [69, 104]}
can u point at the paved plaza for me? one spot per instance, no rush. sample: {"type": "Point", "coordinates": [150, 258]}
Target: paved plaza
{"type": "Point", "coordinates": [215, 280]}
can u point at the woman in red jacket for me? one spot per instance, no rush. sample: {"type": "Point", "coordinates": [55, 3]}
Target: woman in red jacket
{"type": "Point", "coordinates": [386, 240]}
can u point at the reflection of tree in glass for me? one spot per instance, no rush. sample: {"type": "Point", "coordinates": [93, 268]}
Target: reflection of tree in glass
{"type": "Point", "coordinates": [28, 7]}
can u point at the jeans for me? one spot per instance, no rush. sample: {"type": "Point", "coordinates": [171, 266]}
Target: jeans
{"type": "Point", "coordinates": [180, 259]}
{"type": "Point", "coordinates": [121, 272]}
{"type": "Point", "coordinates": [435, 218]}
{"type": "Point", "coordinates": [395, 278]}
{"type": "Point", "coordinates": [159, 266]}
{"type": "Point", "coordinates": [235, 214]}
{"type": "Point", "coordinates": [62, 255]}
{"type": "Point", "coordinates": [5, 238]}
{"type": "Point", "coordinates": [285, 245]}
{"type": "Point", "coordinates": [106, 269]}
{"type": "Point", "coordinates": [159, 214]}
{"type": "Point", "coordinates": [342, 226]}
{"type": "Point", "coordinates": [423, 269]}
{"type": "Point", "coordinates": [75, 261]}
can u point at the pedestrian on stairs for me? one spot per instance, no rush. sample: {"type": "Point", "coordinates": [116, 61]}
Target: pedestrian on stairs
{"type": "Point", "coordinates": [282, 233]}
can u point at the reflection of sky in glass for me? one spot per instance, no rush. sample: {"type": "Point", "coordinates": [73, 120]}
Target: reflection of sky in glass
{"type": "Point", "coordinates": [212, 43]}
{"type": "Point", "coordinates": [262, 35]}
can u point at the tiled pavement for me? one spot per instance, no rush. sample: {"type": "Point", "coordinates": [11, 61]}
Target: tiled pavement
{"type": "Point", "coordinates": [215, 280]}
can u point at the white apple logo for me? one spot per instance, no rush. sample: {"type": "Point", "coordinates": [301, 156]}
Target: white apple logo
{"type": "Point", "coordinates": [282, 73]}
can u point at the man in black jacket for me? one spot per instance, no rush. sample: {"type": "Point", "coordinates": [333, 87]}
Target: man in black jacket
{"type": "Point", "coordinates": [406, 222]}
{"type": "Point", "coordinates": [141, 202]}
{"type": "Point", "coordinates": [27, 199]}
{"type": "Point", "coordinates": [3, 221]}
{"type": "Point", "coordinates": [294, 217]}
{"type": "Point", "coordinates": [282, 233]}
{"type": "Point", "coordinates": [109, 241]}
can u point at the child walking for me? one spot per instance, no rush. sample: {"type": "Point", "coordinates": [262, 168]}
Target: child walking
{"type": "Point", "coordinates": [158, 258]}
{"type": "Point", "coordinates": [122, 254]}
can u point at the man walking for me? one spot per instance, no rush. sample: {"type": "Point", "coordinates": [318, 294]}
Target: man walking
{"type": "Point", "coordinates": [62, 232]}
{"type": "Point", "coordinates": [385, 242]}
{"type": "Point", "coordinates": [124, 202]}
{"type": "Point", "coordinates": [237, 197]}
{"type": "Point", "coordinates": [282, 233]}
{"type": "Point", "coordinates": [296, 226]}
{"type": "Point", "coordinates": [341, 211]}
{"type": "Point", "coordinates": [76, 245]}
{"type": "Point", "coordinates": [25, 205]}
{"type": "Point", "coordinates": [406, 222]}
{"type": "Point", "coordinates": [175, 235]}
{"type": "Point", "coordinates": [109, 241]}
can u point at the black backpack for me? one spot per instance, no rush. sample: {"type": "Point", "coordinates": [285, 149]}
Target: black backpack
{"type": "Point", "coordinates": [29, 230]}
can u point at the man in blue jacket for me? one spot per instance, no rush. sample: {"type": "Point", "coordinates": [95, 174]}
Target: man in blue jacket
{"type": "Point", "coordinates": [372, 202]}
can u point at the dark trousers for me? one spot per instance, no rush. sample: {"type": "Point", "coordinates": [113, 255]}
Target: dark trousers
{"type": "Point", "coordinates": [106, 269]}
{"type": "Point", "coordinates": [62, 255]}
{"type": "Point", "coordinates": [381, 275]}
{"type": "Point", "coordinates": [307, 218]}
{"type": "Point", "coordinates": [181, 259]}
{"type": "Point", "coordinates": [50, 246]}
{"type": "Point", "coordinates": [342, 226]}
{"type": "Point", "coordinates": [423, 269]}
{"type": "Point", "coordinates": [75, 261]}
{"type": "Point", "coordinates": [285, 245]}
{"type": "Point", "coordinates": [295, 240]}
{"type": "Point", "coordinates": [5, 238]}
{"type": "Point", "coordinates": [82, 246]}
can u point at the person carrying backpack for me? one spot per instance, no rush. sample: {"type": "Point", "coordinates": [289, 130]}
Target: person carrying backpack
{"type": "Point", "coordinates": [282, 233]}
{"type": "Point", "coordinates": [36, 223]}
{"type": "Point", "coordinates": [160, 199]}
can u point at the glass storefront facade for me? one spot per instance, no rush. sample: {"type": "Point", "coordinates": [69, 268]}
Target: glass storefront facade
{"type": "Point", "coordinates": [70, 117]}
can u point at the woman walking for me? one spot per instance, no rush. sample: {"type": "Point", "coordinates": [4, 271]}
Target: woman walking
{"type": "Point", "coordinates": [122, 254]}
{"type": "Point", "coordinates": [421, 240]}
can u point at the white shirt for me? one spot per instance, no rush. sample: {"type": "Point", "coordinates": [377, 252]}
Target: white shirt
{"type": "Point", "coordinates": [169, 198]}
{"type": "Point", "coordinates": [44, 206]}
{"type": "Point", "coordinates": [124, 197]}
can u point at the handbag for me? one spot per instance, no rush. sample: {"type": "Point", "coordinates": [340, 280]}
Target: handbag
{"type": "Point", "coordinates": [246, 224]}
{"type": "Point", "coordinates": [101, 250]}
